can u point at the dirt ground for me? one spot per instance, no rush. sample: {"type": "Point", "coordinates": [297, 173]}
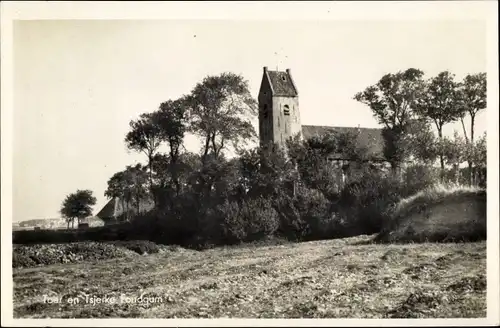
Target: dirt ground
{"type": "Point", "coordinates": [345, 278]}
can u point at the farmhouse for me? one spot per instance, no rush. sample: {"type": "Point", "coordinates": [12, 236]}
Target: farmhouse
{"type": "Point", "coordinates": [117, 209]}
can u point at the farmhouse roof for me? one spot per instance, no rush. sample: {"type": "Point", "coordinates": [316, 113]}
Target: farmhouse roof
{"type": "Point", "coordinates": [114, 208]}
{"type": "Point", "coordinates": [369, 138]}
{"type": "Point", "coordinates": [281, 83]}
{"type": "Point", "coordinates": [108, 211]}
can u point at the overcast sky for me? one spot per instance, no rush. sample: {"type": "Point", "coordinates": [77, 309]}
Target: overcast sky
{"type": "Point", "coordinates": [77, 84]}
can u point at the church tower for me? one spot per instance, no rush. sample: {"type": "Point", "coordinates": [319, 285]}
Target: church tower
{"type": "Point", "coordinates": [279, 116]}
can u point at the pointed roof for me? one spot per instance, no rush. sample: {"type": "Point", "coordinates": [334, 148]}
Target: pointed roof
{"type": "Point", "coordinates": [108, 211]}
{"type": "Point", "coordinates": [114, 208]}
{"type": "Point", "coordinates": [281, 83]}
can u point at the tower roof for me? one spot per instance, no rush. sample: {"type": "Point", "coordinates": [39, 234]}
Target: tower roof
{"type": "Point", "coordinates": [281, 83]}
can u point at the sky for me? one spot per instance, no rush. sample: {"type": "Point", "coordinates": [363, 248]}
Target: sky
{"type": "Point", "coordinates": [77, 84]}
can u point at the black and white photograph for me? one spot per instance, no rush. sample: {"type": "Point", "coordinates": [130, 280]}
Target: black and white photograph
{"type": "Point", "coordinates": [273, 160]}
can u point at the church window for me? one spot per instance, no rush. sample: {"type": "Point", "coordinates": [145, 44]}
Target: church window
{"type": "Point", "coordinates": [286, 111]}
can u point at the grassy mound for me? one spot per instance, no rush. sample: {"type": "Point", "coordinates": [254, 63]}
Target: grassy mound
{"type": "Point", "coordinates": [442, 213]}
{"type": "Point", "coordinates": [24, 256]}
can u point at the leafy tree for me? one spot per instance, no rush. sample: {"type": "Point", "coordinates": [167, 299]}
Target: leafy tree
{"type": "Point", "coordinates": [136, 178]}
{"type": "Point", "coordinates": [173, 123]}
{"type": "Point", "coordinates": [161, 171]}
{"type": "Point", "coordinates": [393, 101]}
{"type": "Point", "coordinates": [145, 136]}
{"type": "Point", "coordinates": [473, 100]}
{"type": "Point", "coordinates": [440, 103]}
{"type": "Point", "coordinates": [219, 110]}
{"type": "Point", "coordinates": [164, 177]}
{"type": "Point", "coordinates": [454, 152]}
{"type": "Point", "coordinates": [77, 205]}
{"type": "Point", "coordinates": [349, 147]}
{"type": "Point", "coordinates": [250, 174]}
{"type": "Point", "coordinates": [422, 142]}
{"type": "Point", "coordinates": [476, 154]}
{"type": "Point", "coordinates": [117, 188]}
{"type": "Point", "coordinates": [479, 155]}
{"type": "Point", "coordinates": [129, 187]}
{"type": "Point", "coordinates": [267, 171]}
{"type": "Point", "coordinates": [226, 183]}
{"type": "Point", "coordinates": [310, 157]}
{"type": "Point", "coordinates": [212, 175]}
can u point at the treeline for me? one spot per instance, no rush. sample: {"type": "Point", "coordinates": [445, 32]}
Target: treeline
{"type": "Point", "coordinates": [408, 106]}
{"type": "Point", "coordinates": [206, 198]}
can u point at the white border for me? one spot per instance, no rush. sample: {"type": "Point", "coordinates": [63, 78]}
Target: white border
{"type": "Point", "coordinates": [411, 10]}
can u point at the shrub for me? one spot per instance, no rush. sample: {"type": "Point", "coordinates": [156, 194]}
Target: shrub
{"type": "Point", "coordinates": [291, 224]}
{"type": "Point", "coordinates": [419, 177]}
{"type": "Point", "coordinates": [175, 225]}
{"type": "Point", "coordinates": [260, 217]}
{"type": "Point", "coordinates": [368, 201]}
{"type": "Point", "coordinates": [22, 261]}
{"type": "Point", "coordinates": [140, 246]}
{"type": "Point", "coordinates": [249, 220]}
{"type": "Point", "coordinates": [46, 254]}
{"type": "Point", "coordinates": [231, 227]}
{"type": "Point", "coordinates": [103, 233]}
{"type": "Point", "coordinates": [313, 208]}
{"type": "Point", "coordinates": [146, 225]}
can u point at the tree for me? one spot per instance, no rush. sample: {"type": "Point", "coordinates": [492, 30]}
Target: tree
{"type": "Point", "coordinates": [136, 178]}
{"type": "Point", "coordinates": [393, 100]}
{"type": "Point", "coordinates": [318, 173]}
{"type": "Point", "coordinates": [348, 146]}
{"type": "Point", "coordinates": [479, 156]}
{"type": "Point", "coordinates": [266, 172]}
{"type": "Point", "coordinates": [454, 152]}
{"type": "Point", "coordinates": [422, 142]}
{"type": "Point", "coordinates": [173, 124]}
{"type": "Point", "coordinates": [440, 103]}
{"type": "Point", "coordinates": [118, 189]}
{"type": "Point", "coordinates": [220, 107]}
{"type": "Point", "coordinates": [77, 205]}
{"type": "Point", "coordinates": [188, 165]}
{"type": "Point", "coordinates": [311, 159]}
{"type": "Point", "coordinates": [476, 154]}
{"type": "Point", "coordinates": [129, 187]}
{"type": "Point", "coordinates": [145, 136]}
{"type": "Point", "coordinates": [473, 100]}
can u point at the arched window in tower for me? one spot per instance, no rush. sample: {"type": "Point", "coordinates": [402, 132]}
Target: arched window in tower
{"type": "Point", "coordinates": [286, 111]}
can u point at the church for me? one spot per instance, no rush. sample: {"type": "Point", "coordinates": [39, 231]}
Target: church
{"type": "Point", "coordinates": [279, 120]}
{"type": "Point", "coordinates": [279, 117]}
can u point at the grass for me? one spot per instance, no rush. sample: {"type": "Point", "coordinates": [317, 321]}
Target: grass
{"type": "Point", "coordinates": [344, 278]}
{"type": "Point", "coordinates": [440, 213]}
{"type": "Point", "coordinates": [435, 194]}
